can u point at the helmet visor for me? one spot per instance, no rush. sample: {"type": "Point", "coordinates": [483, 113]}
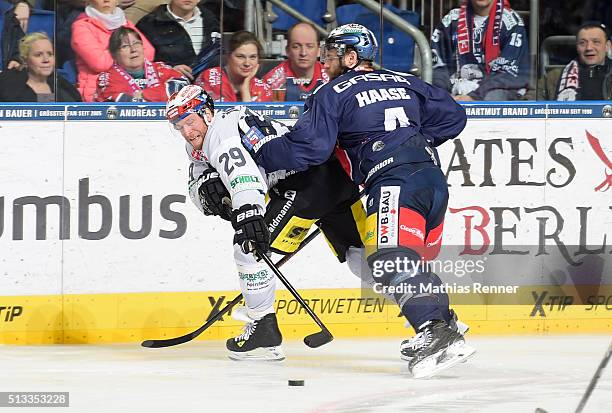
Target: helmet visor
{"type": "Point", "coordinates": [330, 51]}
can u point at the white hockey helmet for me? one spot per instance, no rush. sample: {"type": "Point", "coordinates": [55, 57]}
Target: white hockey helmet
{"type": "Point", "coordinates": [190, 99]}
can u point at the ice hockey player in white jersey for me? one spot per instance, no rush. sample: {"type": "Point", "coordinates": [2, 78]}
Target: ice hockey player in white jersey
{"type": "Point", "coordinates": [223, 172]}
{"type": "Point", "coordinates": [213, 140]}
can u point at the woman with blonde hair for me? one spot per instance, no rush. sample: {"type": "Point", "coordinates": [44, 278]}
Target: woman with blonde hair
{"type": "Point", "coordinates": [35, 79]}
{"type": "Point", "coordinates": [236, 82]}
{"type": "Point", "coordinates": [90, 34]}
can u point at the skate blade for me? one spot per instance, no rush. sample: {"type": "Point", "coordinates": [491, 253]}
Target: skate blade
{"type": "Point", "coordinates": [261, 353]}
{"type": "Point", "coordinates": [408, 358]}
{"type": "Point", "coordinates": [405, 358]}
{"type": "Point", "coordinates": [442, 360]}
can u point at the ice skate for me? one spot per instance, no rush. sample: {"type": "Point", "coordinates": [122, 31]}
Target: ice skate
{"type": "Point", "coordinates": [260, 340]}
{"type": "Point", "coordinates": [442, 347]}
{"type": "Point", "coordinates": [409, 347]}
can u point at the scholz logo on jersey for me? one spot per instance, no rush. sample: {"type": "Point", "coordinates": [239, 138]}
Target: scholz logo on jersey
{"type": "Point", "coordinates": [370, 77]}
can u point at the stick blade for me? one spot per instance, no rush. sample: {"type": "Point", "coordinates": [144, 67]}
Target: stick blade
{"type": "Point", "coordinates": [318, 339]}
{"type": "Point", "coordinates": [169, 342]}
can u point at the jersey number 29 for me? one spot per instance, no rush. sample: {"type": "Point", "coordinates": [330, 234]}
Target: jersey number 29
{"type": "Point", "coordinates": [237, 160]}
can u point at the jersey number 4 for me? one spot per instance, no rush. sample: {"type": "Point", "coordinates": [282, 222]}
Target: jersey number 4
{"type": "Point", "coordinates": [396, 115]}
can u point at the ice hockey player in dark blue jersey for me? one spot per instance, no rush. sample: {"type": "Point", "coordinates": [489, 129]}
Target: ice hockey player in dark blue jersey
{"type": "Point", "coordinates": [386, 125]}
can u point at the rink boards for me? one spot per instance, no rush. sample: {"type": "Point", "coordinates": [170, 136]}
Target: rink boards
{"type": "Point", "coordinates": [100, 242]}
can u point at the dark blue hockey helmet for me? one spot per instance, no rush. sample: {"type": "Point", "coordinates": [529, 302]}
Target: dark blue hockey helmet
{"type": "Point", "coordinates": [352, 37]}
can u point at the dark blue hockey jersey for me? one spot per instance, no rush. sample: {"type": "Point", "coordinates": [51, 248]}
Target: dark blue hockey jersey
{"type": "Point", "coordinates": [367, 114]}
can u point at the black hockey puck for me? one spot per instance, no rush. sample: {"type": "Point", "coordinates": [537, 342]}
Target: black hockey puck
{"type": "Point", "coordinates": [296, 382]}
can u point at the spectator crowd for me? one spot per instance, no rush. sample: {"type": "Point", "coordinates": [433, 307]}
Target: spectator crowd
{"type": "Point", "coordinates": [143, 50]}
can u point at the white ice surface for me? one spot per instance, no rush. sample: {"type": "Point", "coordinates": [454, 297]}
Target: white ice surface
{"type": "Point", "coordinates": [509, 374]}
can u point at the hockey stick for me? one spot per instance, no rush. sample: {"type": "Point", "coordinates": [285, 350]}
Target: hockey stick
{"type": "Point", "coordinates": [320, 337]}
{"type": "Point", "coordinates": [594, 380]}
{"type": "Point", "coordinates": [168, 342]}
{"type": "Point", "coordinates": [313, 340]}
{"type": "Point", "coordinates": [592, 384]}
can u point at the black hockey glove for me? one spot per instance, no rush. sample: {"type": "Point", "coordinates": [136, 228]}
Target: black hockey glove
{"type": "Point", "coordinates": [251, 230]}
{"type": "Point", "coordinates": [214, 192]}
{"type": "Point", "coordinates": [196, 197]}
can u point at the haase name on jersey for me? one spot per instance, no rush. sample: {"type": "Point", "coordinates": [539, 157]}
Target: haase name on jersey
{"type": "Point", "coordinates": [370, 77]}
{"type": "Point", "coordinates": [367, 97]}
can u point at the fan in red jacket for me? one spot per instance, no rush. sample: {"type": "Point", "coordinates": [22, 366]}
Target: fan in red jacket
{"type": "Point", "coordinates": [218, 84]}
{"type": "Point", "coordinates": [90, 35]}
{"type": "Point", "coordinates": [133, 78]}
{"type": "Point", "coordinates": [236, 82]}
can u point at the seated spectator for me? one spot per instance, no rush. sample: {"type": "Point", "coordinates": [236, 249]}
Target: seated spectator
{"type": "Point", "coordinates": [237, 81]}
{"type": "Point", "coordinates": [35, 81]}
{"type": "Point", "coordinates": [11, 32]}
{"type": "Point", "coordinates": [302, 72]}
{"type": "Point", "coordinates": [90, 34]}
{"type": "Point", "coordinates": [181, 33]}
{"type": "Point", "coordinates": [590, 76]}
{"type": "Point", "coordinates": [132, 78]}
{"type": "Point", "coordinates": [480, 52]}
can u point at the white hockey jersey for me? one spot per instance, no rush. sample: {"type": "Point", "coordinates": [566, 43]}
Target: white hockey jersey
{"type": "Point", "coordinates": [224, 151]}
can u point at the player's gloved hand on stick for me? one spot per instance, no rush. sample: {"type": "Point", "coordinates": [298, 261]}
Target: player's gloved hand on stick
{"type": "Point", "coordinates": [213, 192]}
{"type": "Point", "coordinates": [251, 229]}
